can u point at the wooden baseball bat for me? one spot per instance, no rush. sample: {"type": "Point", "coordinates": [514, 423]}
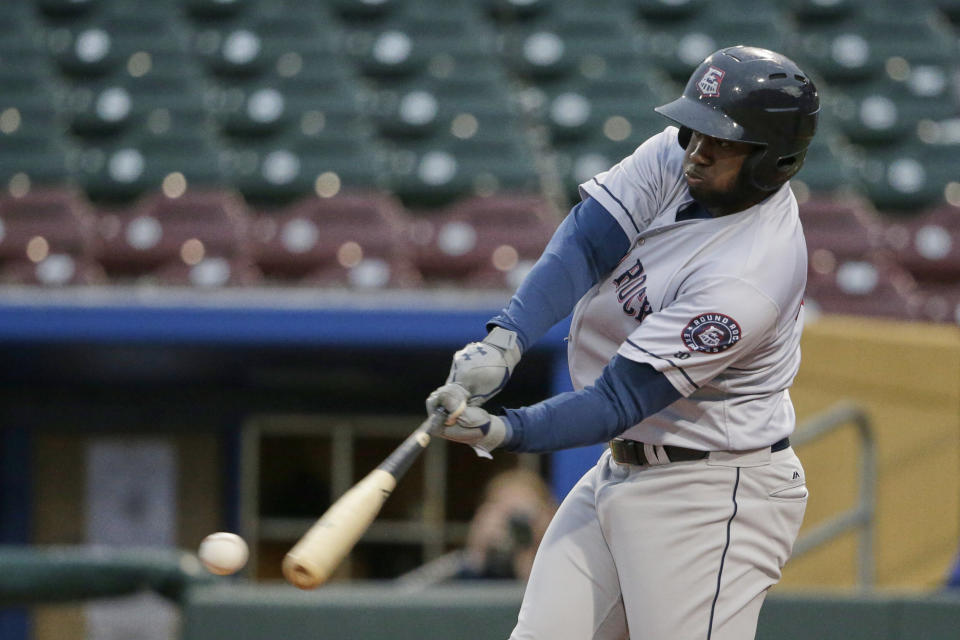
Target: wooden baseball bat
{"type": "Point", "coordinates": [321, 549]}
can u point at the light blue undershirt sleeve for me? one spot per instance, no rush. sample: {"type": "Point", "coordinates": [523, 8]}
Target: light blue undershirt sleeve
{"type": "Point", "coordinates": [586, 246]}
{"type": "Point", "coordinates": [624, 394]}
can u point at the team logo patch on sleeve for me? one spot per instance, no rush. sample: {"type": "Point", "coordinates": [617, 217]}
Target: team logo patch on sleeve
{"type": "Point", "coordinates": [711, 333]}
{"type": "Point", "coordinates": [709, 84]}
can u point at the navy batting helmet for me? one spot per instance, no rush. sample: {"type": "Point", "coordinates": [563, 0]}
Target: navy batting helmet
{"type": "Point", "coordinates": [751, 95]}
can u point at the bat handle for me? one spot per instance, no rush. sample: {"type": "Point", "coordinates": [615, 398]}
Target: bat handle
{"type": "Point", "coordinates": [403, 457]}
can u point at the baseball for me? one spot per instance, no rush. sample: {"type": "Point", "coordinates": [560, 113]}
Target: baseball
{"type": "Point", "coordinates": [223, 553]}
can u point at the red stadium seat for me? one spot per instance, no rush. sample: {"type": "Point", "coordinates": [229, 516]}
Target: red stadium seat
{"type": "Point", "coordinates": [484, 242]}
{"type": "Point", "coordinates": [58, 217]}
{"type": "Point", "coordinates": [48, 237]}
{"type": "Point", "coordinates": [352, 240]}
{"type": "Point", "coordinates": [158, 232]}
{"type": "Point", "coordinates": [844, 227]}
{"type": "Point", "coordinates": [928, 245]}
{"type": "Point", "coordinates": [872, 287]}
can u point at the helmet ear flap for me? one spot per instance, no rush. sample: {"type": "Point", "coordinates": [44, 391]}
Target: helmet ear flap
{"type": "Point", "coordinates": [763, 176]}
{"type": "Point", "coordinates": [684, 136]}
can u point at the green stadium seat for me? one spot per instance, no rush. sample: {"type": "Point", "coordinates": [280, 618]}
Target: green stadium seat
{"type": "Point", "coordinates": [30, 157]}
{"type": "Point", "coordinates": [814, 12]}
{"type": "Point", "coordinates": [431, 173]}
{"type": "Point", "coordinates": [580, 161]}
{"type": "Point", "coordinates": [151, 104]}
{"type": "Point", "coordinates": [602, 110]}
{"type": "Point", "coordinates": [826, 168]}
{"type": "Point", "coordinates": [679, 46]}
{"type": "Point", "coordinates": [215, 9]}
{"type": "Point", "coordinates": [908, 178]}
{"type": "Point", "coordinates": [950, 9]}
{"type": "Point", "coordinates": [425, 106]}
{"type": "Point", "coordinates": [504, 11]}
{"type": "Point", "coordinates": [278, 171]}
{"type": "Point", "coordinates": [363, 10]}
{"type": "Point", "coordinates": [60, 9]}
{"type": "Point", "coordinates": [882, 112]}
{"type": "Point", "coordinates": [667, 10]}
{"type": "Point", "coordinates": [123, 169]}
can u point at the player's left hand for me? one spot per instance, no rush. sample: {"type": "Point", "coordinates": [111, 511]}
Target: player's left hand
{"type": "Point", "coordinates": [483, 368]}
{"type": "Point", "coordinates": [474, 426]}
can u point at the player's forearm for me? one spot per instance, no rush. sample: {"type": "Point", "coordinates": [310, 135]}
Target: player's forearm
{"type": "Point", "coordinates": [586, 246]}
{"type": "Point", "coordinates": [624, 394]}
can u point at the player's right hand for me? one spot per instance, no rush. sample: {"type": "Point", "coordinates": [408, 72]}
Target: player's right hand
{"type": "Point", "coordinates": [472, 426]}
{"type": "Point", "coordinates": [483, 368]}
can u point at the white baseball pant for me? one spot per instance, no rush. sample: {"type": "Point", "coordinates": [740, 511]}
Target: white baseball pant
{"type": "Point", "coordinates": [678, 551]}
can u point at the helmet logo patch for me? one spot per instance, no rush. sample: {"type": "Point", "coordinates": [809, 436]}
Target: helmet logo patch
{"type": "Point", "coordinates": [711, 333]}
{"type": "Point", "coordinates": [709, 84]}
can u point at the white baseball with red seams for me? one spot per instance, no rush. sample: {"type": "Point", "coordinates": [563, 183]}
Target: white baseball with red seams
{"type": "Point", "coordinates": [223, 553]}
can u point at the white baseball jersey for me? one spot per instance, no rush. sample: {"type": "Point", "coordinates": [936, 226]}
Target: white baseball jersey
{"type": "Point", "coordinates": [714, 304]}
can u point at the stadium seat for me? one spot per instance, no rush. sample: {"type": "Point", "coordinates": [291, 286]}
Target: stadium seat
{"type": "Point", "coordinates": [813, 13]}
{"type": "Point", "coordinates": [885, 111]}
{"type": "Point", "coordinates": [938, 302]}
{"type": "Point", "coordinates": [209, 273]}
{"type": "Point", "coordinates": [363, 10]}
{"type": "Point", "coordinates": [839, 229]}
{"type": "Point", "coordinates": [927, 245]}
{"type": "Point", "coordinates": [150, 104]}
{"type": "Point", "coordinates": [950, 9]}
{"type": "Point", "coordinates": [167, 238]}
{"type": "Point", "coordinates": [488, 242]}
{"type": "Point", "coordinates": [58, 216]}
{"type": "Point", "coordinates": [678, 46]}
{"type": "Point", "coordinates": [31, 157]}
{"type": "Point", "coordinates": [908, 178]}
{"type": "Point", "coordinates": [357, 240]}
{"type": "Point", "coordinates": [872, 287]}
{"type": "Point", "coordinates": [434, 172]}
{"type": "Point", "coordinates": [827, 166]}
{"type": "Point", "coordinates": [838, 52]}
{"type": "Point", "coordinates": [125, 168]}
{"type": "Point", "coordinates": [215, 9]}
{"type": "Point", "coordinates": [278, 171]}
{"type": "Point", "coordinates": [579, 161]}
{"type": "Point", "coordinates": [505, 11]}
{"type": "Point", "coordinates": [604, 108]}
{"type": "Point", "coordinates": [667, 10]}
{"type": "Point", "coordinates": [48, 237]}
{"type": "Point", "coordinates": [66, 9]}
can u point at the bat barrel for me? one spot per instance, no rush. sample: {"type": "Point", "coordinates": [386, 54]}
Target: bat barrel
{"type": "Point", "coordinates": [318, 553]}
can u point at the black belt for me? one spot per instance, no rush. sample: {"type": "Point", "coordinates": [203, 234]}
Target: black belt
{"type": "Point", "coordinates": [631, 451]}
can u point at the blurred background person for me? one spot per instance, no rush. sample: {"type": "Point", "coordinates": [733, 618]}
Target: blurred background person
{"type": "Point", "coordinates": [503, 537]}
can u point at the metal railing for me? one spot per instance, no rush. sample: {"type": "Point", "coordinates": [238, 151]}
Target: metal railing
{"type": "Point", "coordinates": [859, 516]}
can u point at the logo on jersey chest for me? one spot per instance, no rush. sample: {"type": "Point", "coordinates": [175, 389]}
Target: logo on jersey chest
{"type": "Point", "coordinates": [632, 292]}
{"type": "Point", "coordinates": [709, 84]}
{"type": "Point", "coordinates": [711, 333]}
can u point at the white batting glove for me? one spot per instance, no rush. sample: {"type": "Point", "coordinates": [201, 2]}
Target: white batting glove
{"type": "Point", "coordinates": [483, 368]}
{"type": "Point", "coordinates": [473, 426]}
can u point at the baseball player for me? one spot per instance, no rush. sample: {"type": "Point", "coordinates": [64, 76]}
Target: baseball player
{"type": "Point", "coordinates": [685, 266]}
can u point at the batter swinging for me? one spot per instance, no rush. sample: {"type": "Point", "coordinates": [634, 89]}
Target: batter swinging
{"type": "Point", "coordinates": [686, 263]}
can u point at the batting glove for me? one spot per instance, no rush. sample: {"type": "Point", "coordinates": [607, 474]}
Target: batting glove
{"type": "Point", "coordinates": [483, 368]}
{"type": "Point", "coordinates": [474, 426]}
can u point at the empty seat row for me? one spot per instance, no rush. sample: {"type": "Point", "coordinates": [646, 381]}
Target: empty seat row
{"type": "Point", "coordinates": [213, 238]}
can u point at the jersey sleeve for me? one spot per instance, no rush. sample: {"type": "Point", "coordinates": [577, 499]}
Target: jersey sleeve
{"type": "Point", "coordinates": [632, 190]}
{"type": "Point", "coordinates": [709, 326]}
